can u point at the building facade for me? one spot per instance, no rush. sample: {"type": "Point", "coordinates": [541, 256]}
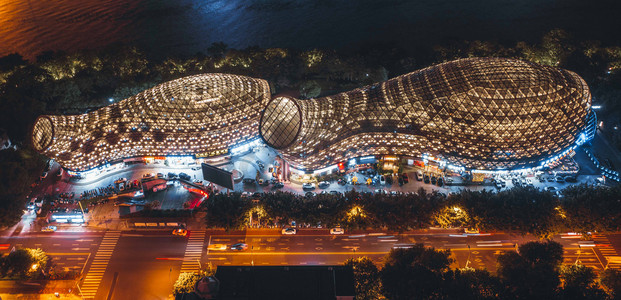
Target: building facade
{"type": "Point", "coordinates": [200, 115]}
{"type": "Point", "coordinates": [478, 113]}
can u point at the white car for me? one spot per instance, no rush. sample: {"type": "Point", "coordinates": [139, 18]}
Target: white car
{"type": "Point", "coordinates": [382, 180]}
{"type": "Point", "coordinates": [289, 231]}
{"type": "Point", "coordinates": [308, 186]}
{"type": "Point", "coordinates": [337, 230]}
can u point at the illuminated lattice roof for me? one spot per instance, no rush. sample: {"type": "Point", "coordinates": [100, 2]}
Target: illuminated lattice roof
{"type": "Point", "coordinates": [480, 113]}
{"type": "Point", "coordinates": [196, 115]}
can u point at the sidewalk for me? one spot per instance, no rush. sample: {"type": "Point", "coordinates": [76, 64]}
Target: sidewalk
{"type": "Point", "coordinates": [38, 289]}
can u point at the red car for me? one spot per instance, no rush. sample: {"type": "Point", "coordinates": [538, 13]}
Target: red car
{"type": "Point", "coordinates": [405, 178]}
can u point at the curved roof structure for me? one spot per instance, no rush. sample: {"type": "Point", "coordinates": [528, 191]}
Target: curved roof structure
{"type": "Point", "coordinates": [202, 114]}
{"type": "Point", "coordinates": [480, 113]}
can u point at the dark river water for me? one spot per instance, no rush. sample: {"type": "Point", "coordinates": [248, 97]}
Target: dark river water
{"type": "Point", "coordinates": [173, 27]}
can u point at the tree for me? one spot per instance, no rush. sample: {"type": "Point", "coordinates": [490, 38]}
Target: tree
{"type": "Point", "coordinates": [185, 283]}
{"type": "Point", "coordinates": [611, 280]}
{"type": "Point", "coordinates": [414, 273]}
{"type": "Point", "coordinates": [226, 211]}
{"type": "Point", "coordinates": [366, 278]}
{"type": "Point", "coordinates": [579, 282]}
{"type": "Point", "coordinates": [310, 89]}
{"type": "Point", "coordinates": [469, 283]}
{"type": "Point", "coordinates": [17, 263]}
{"type": "Point", "coordinates": [533, 271]}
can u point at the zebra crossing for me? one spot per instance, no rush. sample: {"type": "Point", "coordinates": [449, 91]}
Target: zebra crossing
{"type": "Point", "coordinates": [100, 263]}
{"type": "Point", "coordinates": [193, 251]}
{"type": "Point", "coordinates": [613, 260]}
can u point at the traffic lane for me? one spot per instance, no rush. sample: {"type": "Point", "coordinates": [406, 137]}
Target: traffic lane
{"type": "Point", "coordinates": [67, 251]}
{"type": "Point", "coordinates": [307, 242]}
{"type": "Point", "coordinates": [287, 258]}
{"type": "Point", "coordinates": [143, 267]}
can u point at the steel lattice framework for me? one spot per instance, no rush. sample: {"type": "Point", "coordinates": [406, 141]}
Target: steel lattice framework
{"type": "Point", "coordinates": [479, 113]}
{"type": "Point", "coordinates": [196, 115]}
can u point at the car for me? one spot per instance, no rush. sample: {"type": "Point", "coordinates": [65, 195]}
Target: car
{"type": "Point", "coordinates": [335, 192]}
{"type": "Point", "coordinates": [198, 182]}
{"type": "Point", "coordinates": [550, 179]}
{"type": "Point", "coordinates": [433, 179]}
{"type": "Point", "coordinates": [419, 175]}
{"type": "Point", "coordinates": [380, 191]}
{"type": "Point", "coordinates": [196, 168]}
{"type": "Point", "coordinates": [289, 231]}
{"type": "Point", "coordinates": [394, 193]}
{"type": "Point", "coordinates": [248, 181]}
{"type": "Point", "coordinates": [310, 194]}
{"type": "Point", "coordinates": [172, 175]}
{"type": "Point", "coordinates": [550, 189]}
{"type": "Point", "coordinates": [440, 181]}
{"type": "Point", "coordinates": [239, 247]}
{"type": "Point", "coordinates": [400, 179]}
{"type": "Point", "coordinates": [245, 194]}
{"type": "Point", "coordinates": [388, 179]}
{"type": "Point", "coordinates": [184, 176]}
{"type": "Point", "coordinates": [560, 179]}
{"type": "Point", "coordinates": [147, 175]}
{"type": "Point", "coordinates": [217, 247]}
{"type": "Point", "coordinates": [308, 186]}
{"type": "Point", "coordinates": [382, 180]}
{"type": "Point", "coordinates": [43, 175]}
{"type": "Point", "coordinates": [49, 229]}
{"type": "Point", "coordinates": [278, 185]}
{"type": "Point", "coordinates": [337, 230]}
{"type": "Point", "coordinates": [341, 181]}
{"type": "Point", "coordinates": [324, 184]}
{"type": "Point", "coordinates": [405, 178]}
{"type": "Point", "coordinates": [426, 178]}
{"type": "Point", "coordinates": [257, 195]}
{"type": "Point", "coordinates": [159, 175]}
{"type": "Point", "coordinates": [260, 182]}
{"type": "Point", "coordinates": [180, 232]}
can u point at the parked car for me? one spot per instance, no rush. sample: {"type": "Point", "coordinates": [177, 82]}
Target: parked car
{"type": "Point", "coordinates": [172, 175]}
{"type": "Point", "coordinates": [440, 181]}
{"type": "Point", "coordinates": [335, 192]}
{"type": "Point", "coordinates": [426, 178]}
{"type": "Point", "coordinates": [337, 230]}
{"type": "Point", "coordinates": [550, 189]}
{"type": "Point", "coordinates": [324, 184]}
{"type": "Point", "coordinates": [43, 175]}
{"type": "Point", "coordinates": [382, 180]}
{"type": "Point", "coordinates": [433, 179]}
{"type": "Point", "coordinates": [248, 181]}
{"type": "Point", "coordinates": [278, 185]}
{"type": "Point", "coordinates": [560, 179]}
{"type": "Point", "coordinates": [419, 175]}
{"type": "Point", "coordinates": [147, 175]}
{"type": "Point", "coordinates": [308, 186]}
{"type": "Point", "coordinates": [310, 194]}
{"type": "Point", "coordinates": [388, 179]}
{"type": "Point", "coordinates": [289, 231]}
{"type": "Point", "coordinates": [184, 176]}
{"type": "Point", "coordinates": [196, 168]}
{"type": "Point", "coordinates": [405, 178]}
{"type": "Point", "coordinates": [400, 179]}
{"type": "Point", "coordinates": [239, 247]}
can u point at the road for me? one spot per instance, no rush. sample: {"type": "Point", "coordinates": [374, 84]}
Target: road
{"type": "Point", "coordinates": [144, 264]}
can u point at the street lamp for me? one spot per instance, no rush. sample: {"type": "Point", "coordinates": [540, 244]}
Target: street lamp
{"type": "Point", "coordinates": [468, 260]}
{"type": "Point", "coordinates": [579, 252]}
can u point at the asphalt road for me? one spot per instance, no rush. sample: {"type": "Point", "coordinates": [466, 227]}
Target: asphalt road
{"type": "Point", "coordinates": [145, 264]}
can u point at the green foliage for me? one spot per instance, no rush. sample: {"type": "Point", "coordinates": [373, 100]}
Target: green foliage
{"type": "Point", "coordinates": [185, 283]}
{"type": "Point", "coordinates": [414, 273]}
{"type": "Point", "coordinates": [580, 282]}
{"type": "Point", "coordinates": [310, 89]}
{"type": "Point", "coordinates": [591, 208]}
{"type": "Point", "coordinates": [611, 281]}
{"type": "Point", "coordinates": [533, 272]}
{"type": "Point", "coordinates": [366, 278]}
{"type": "Point", "coordinates": [226, 211]}
{"type": "Point", "coordinates": [23, 263]}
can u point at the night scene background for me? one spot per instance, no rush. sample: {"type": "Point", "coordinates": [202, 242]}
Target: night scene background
{"type": "Point", "coordinates": [377, 226]}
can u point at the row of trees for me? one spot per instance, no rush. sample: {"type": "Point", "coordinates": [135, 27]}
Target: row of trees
{"type": "Point", "coordinates": [533, 272]}
{"type": "Point", "coordinates": [582, 208]}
